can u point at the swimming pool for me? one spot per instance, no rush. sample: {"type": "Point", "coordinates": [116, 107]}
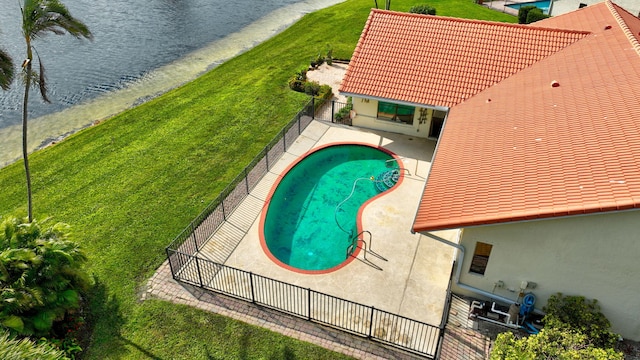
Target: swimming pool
{"type": "Point", "coordinates": [313, 212]}
{"type": "Point", "coordinates": [542, 5]}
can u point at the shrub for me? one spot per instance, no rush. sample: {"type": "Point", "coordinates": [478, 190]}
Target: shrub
{"type": "Point", "coordinates": [549, 343]}
{"type": "Point", "coordinates": [423, 9]}
{"type": "Point", "coordinates": [324, 94]}
{"type": "Point", "coordinates": [42, 276]}
{"type": "Point", "coordinates": [296, 85]}
{"type": "Point", "coordinates": [343, 113]}
{"type": "Point", "coordinates": [329, 57]}
{"type": "Point", "coordinates": [311, 88]}
{"type": "Point", "coordinates": [582, 315]}
{"type": "Point", "coordinates": [535, 15]}
{"type": "Point", "coordinates": [523, 12]}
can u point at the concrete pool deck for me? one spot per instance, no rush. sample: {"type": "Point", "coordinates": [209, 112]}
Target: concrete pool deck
{"type": "Point", "coordinates": [413, 281]}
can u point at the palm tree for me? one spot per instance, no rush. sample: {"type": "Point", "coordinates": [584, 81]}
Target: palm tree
{"type": "Point", "coordinates": [40, 17]}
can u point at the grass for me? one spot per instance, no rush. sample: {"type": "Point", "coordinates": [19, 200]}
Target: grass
{"type": "Point", "coordinates": [131, 184]}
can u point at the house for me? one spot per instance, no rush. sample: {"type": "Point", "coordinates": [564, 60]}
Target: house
{"type": "Point", "coordinates": [538, 155]}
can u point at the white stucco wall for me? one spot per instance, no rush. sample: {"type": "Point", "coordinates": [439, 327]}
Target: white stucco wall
{"type": "Point", "coordinates": [366, 111]}
{"type": "Point", "coordinates": [596, 256]}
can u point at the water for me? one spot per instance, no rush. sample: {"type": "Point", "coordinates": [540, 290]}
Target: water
{"type": "Point", "coordinates": [312, 215]}
{"type": "Point", "coordinates": [543, 5]}
{"type": "Point", "coordinates": [140, 49]}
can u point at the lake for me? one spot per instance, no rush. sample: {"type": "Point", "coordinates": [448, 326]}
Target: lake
{"type": "Point", "coordinates": [140, 49]}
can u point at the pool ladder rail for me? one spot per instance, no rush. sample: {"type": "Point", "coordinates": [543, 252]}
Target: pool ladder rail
{"type": "Point", "coordinates": [387, 180]}
{"type": "Point", "coordinates": [356, 240]}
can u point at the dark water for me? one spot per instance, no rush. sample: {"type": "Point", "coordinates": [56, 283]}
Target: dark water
{"type": "Point", "coordinates": [132, 39]}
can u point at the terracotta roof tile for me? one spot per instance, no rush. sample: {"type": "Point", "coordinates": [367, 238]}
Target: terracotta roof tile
{"type": "Point", "coordinates": [537, 151]}
{"type": "Point", "coordinates": [442, 61]}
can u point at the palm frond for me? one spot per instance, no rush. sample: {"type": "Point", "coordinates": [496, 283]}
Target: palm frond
{"type": "Point", "coordinates": [43, 16]}
{"type": "Point", "coordinates": [6, 70]}
{"type": "Point", "coordinates": [42, 81]}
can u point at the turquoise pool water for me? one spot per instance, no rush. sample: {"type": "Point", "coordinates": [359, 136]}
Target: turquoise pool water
{"type": "Point", "coordinates": [542, 5]}
{"type": "Point", "coordinates": [312, 214]}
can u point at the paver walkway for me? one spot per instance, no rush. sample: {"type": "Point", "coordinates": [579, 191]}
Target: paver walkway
{"type": "Point", "coordinates": [460, 342]}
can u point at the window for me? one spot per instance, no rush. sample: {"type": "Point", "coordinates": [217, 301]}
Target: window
{"type": "Point", "coordinates": [480, 258]}
{"type": "Point", "coordinates": [396, 112]}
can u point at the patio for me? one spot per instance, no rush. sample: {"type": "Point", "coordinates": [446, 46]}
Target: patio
{"type": "Point", "coordinates": [413, 281]}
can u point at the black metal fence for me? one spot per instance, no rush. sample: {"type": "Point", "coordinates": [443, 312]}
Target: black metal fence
{"type": "Point", "coordinates": [193, 237]}
{"type": "Point", "coordinates": [335, 111]}
{"type": "Point", "coordinates": [363, 320]}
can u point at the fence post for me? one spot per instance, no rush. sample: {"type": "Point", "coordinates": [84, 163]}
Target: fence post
{"type": "Point", "coordinates": [173, 274]}
{"type": "Point", "coordinates": [284, 138]}
{"type": "Point", "coordinates": [371, 322]}
{"type": "Point", "coordinates": [333, 106]}
{"type": "Point", "coordinates": [224, 216]}
{"type": "Point", "coordinates": [299, 118]}
{"type": "Point", "coordinates": [193, 234]}
{"type": "Point", "coordinates": [199, 274]}
{"type": "Point", "coordinates": [246, 179]}
{"type": "Point", "coordinates": [253, 294]}
{"type": "Point", "coordinates": [313, 108]}
{"type": "Point", "coordinates": [266, 156]}
{"type": "Point", "coordinates": [309, 304]}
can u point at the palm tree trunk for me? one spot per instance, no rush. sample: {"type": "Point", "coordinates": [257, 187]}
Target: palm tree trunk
{"type": "Point", "coordinates": [25, 154]}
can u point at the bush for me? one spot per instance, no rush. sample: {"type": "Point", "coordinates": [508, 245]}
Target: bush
{"type": "Point", "coordinates": [296, 85]}
{"type": "Point", "coordinates": [42, 276]}
{"type": "Point", "coordinates": [523, 12]}
{"type": "Point", "coordinates": [535, 15]}
{"type": "Point", "coordinates": [343, 113]}
{"type": "Point", "coordinates": [311, 88]}
{"type": "Point", "coordinates": [582, 315]}
{"type": "Point", "coordinates": [549, 343]}
{"type": "Point", "coordinates": [423, 9]}
{"type": "Point", "coordinates": [325, 93]}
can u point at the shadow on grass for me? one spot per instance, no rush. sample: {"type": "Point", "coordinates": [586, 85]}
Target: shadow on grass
{"type": "Point", "coordinates": [105, 320]}
{"type": "Point", "coordinates": [147, 353]}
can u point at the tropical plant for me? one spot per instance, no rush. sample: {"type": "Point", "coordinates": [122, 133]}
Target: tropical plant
{"type": "Point", "coordinates": [25, 349]}
{"type": "Point", "coordinates": [41, 275]}
{"type": "Point", "coordinates": [40, 17]}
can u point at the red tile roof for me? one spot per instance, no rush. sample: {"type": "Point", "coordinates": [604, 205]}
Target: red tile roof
{"type": "Point", "coordinates": [441, 61]}
{"type": "Point", "coordinates": [524, 149]}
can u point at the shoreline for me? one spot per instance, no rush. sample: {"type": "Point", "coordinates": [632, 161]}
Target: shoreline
{"type": "Point", "coordinates": [53, 128]}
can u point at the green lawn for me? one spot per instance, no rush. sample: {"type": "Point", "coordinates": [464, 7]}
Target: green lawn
{"type": "Point", "coordinates": [131, 184]}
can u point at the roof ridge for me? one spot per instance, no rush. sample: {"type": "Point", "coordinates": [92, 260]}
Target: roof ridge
{"type": "Point", "coordinates": [623, 25]}
{"type": "Point", "coordinates": [476, 21]}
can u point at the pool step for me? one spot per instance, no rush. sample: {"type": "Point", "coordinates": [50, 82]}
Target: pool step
{"type": "Point", "coordinates": [387, 179]}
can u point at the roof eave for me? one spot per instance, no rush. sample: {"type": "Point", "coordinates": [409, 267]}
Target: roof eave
{"type": "Point", "coordinates": [408, 103]}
